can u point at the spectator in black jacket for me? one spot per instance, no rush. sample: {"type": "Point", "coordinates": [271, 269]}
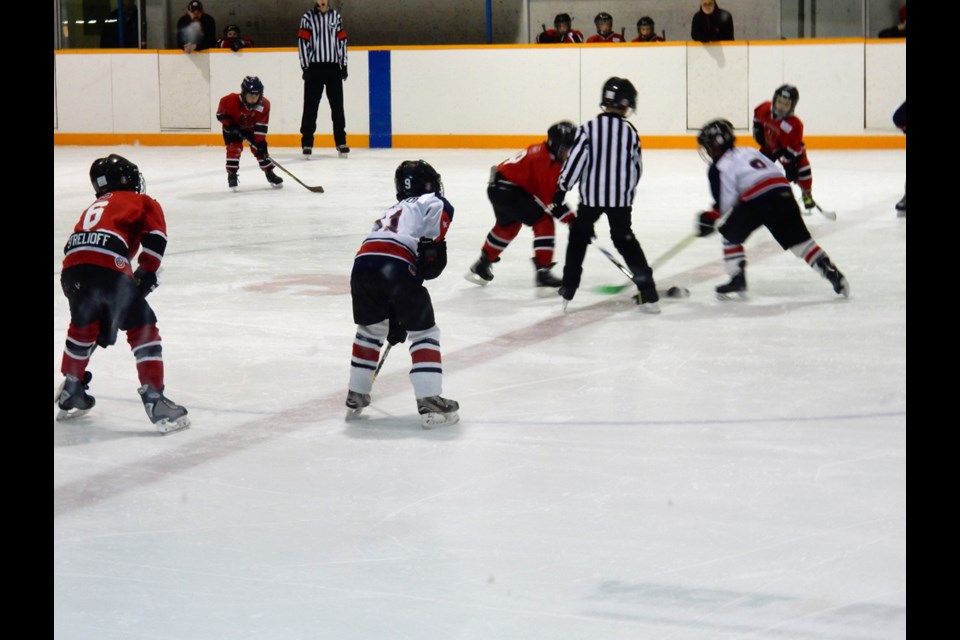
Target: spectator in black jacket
{"type": "Point", "coordinates": [196, 30]}
{"type": "Point", "coordinates": [898, 30]}
{"type": "Point", "coordinates": [711, 23]}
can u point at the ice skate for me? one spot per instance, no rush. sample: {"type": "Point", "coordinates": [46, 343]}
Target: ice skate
{"type": "Point", "coordinates": [648, 300]}
{"type": "Point", "coordinates": [480, 272]}
{"type": "Point", "coordinates": [307, 152]}
{"type": "Point", "coordinates": [736, 288]}
{"type": "Point", "coordinates": [165, 414]}
{"type": "Point", "coordinates": [356, 403]}
{"type": "Point", "coordinates": [72, 397]}
{"type": "Point", "coordinates": [275, 181]}
{"type": "Point", "coordinates": [232, 181]}
{"type": "Point", "coordinates": [436, 411]}
{"type": "Point", "coordinates": [343, 150]}
{"type": "Point", "coordinates": [902, 207]}
{"type": "Point", "coordinates": [829, 271]}
{"type": "Point", "coordinates": [545, 281]}
{"type": "Point", "coordinates": [566, 295]}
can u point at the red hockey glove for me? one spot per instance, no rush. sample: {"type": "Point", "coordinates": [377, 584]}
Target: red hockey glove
{"type": "Point", "coordinates": [707, 222]}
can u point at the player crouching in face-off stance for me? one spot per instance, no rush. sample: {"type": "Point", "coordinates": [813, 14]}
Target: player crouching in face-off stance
{"type": "Point", "coordinates": [518, 189]}
{"type": "Point", "coordinates": [405, 247]}
{"type": "Point", "coordinates": [752, 192]}
{"type": "Point", "coordinates": [780, 136]}
{"type": "Point", "coordinates": [246, 116]}
{"type": "Point", "coordinates": [106, 294]}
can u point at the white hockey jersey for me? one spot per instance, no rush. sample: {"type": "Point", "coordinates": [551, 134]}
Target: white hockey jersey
{"type": "Point", "coordinates": [401, 227]}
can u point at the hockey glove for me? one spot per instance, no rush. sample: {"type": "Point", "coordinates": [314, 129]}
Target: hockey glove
{"type": "Point", "coordinates": [260, 148]}
{"type": "Point", "coordinates": [808, 201]}
{"type": "Point", "coordinates": [563, 213]}
{"type": "Point", "coordinates": [558, 197]}
{"type": "Point", "coordinates": [432, 258]}
{"type": "Point", "coordinates": [343, 72]}
{"type": "Point", "coordinates": [146, 281]}
{"type": "Point", "coordinates": [707, 222]}
{"type": "Point", "coordinates": [396, 333]}
{"type": "Point", "coordinates": [791, 170]}
{"type": "Point", "coordinates": [758, 133]}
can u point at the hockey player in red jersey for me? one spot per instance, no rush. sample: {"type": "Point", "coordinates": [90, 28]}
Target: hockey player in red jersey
{"type": "Point", "coordinates": [780, 136]}
{"type": "Point", "coordinates": [562, 32]}
{"type": "Point", "coordinates": [246, 116]}
{"type": "Point", "coordinates": [520, 190]}
{"type": "Point", "coordinates": [646, 32]}
{"type": "Point", "coordinates": [605, 33]}
{"type": "Point", "coordinates": [106, 295]}
{"type": "Point", "coordinates": [749, 192]}
{"type": "Point", "coordinates": [406, 246]}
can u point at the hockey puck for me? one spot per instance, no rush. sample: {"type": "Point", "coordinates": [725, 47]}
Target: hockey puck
{"type": "Point", "coordinates": [678, 292]}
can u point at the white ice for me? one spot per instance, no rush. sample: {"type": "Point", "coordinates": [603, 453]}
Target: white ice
{"type": "Point", "coordinates": [722, 470]}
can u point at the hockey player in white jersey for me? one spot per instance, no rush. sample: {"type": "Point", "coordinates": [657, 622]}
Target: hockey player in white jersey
{"type": "Point", "coordinates": [749, 192]}
{"type": "Point", "coordinates": [405, 247]}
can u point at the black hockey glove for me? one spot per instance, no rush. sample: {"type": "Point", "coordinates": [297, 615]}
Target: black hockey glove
{"type": "Point", "coordinates": [558, 197]}
{"type": "Point", "coordinates": [563, 213]}
{"type": "Point", "coordinates": [707, 222]}
{"type": "Point", "coordinates": [758, 133]}
{"type": "Point", "coordinates": [260, 147]}
{"type": "Point", "coordinates": [146, 281]}
{"type": "Point", "coordinates": [432, 258]}
{"type": "Point", "coordinates": [343, 72]}
{"type": "Point", "coordinates": [397, 333]}
{"type": "Point", "coordinates": [791, 169]}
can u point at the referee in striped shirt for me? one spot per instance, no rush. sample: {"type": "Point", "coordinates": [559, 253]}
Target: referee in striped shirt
{"type": "Point", "coordinates": [323, 57]}
{"type": "Point", "coordinates": [605, 161]}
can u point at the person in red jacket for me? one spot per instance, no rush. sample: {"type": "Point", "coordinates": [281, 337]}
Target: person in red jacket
{"type": "Point", "coordinates": [520, 190]}
{"type": "Point", "coordinates": [780, 136]}
{"type": "Point", "coordinates": [605, 33]}
{"type": "Point", "coordinates": [107, 295]}
{"type": "Point", "coordinates": [231, 39]}
{"type": "Point", "coordinates": [246, 116]}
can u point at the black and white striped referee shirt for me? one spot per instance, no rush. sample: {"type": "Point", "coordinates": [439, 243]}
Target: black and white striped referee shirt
{"type": "Point", "coordinates": [322, 38]}
{"type": "Point", "coordinates": [605, 160]}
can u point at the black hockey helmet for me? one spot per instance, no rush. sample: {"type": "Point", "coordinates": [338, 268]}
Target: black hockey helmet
{"type": "Point", "coordinates": [786, 92]}
{"type": "Point", "coordinates": [560, 138]}
{"type": "Point", "coordinates": [231, 27]}
{"type": "Point", "coordinates": [603, 16]}
{"type": "Point", "coordinates": [415, 178]}
{"type": "Point", "coordinates": [619, 92]}
{"type": "Point", "coordinates": [715, 138]}
{"type": "Point", "coordinates": [251, 85]}
{"type": "Point", "coordinates": [561, 19]}
{"type": "Point", "coordinates": [115, 173]}
{"type": "Point", "coordinates": [645, 21]}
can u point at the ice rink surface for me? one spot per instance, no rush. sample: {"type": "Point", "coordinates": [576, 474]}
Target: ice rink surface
{"type": "Point", "coordinates": [721, 470]}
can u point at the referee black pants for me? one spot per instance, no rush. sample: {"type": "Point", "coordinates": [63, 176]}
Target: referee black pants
{"type": "Point", "coordinates": [317, 77]}
{"type": "Point", "coordinates": [621, 233]}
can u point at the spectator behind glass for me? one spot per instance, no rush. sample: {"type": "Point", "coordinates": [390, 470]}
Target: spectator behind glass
{"type": "Point", "coordinates": [646, 31]}
{"type": "Point", "coordinates": [900, 29]}
{"type": "Point", "coordinates": [111, 36]}
{"type": "Point", "coordinates": [196, 30]}
{"type": "Point", "coordinates": [231, 39]}
{"type": "Point", "coordinates": [605, 33]}
{"type": "Point", "coordinates": [711, 23]}
{"type": "Point", "coordinates": [562, 32]}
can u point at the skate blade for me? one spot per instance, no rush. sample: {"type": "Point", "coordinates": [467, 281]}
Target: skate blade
{"type": "Point", "coordinates": [547, 292]}
{"type": "Point", "coordinates": [166, 427]}
{"type": "Point", "coordinates": [470, 276]}
{"type": "Point", "coordinates": [432, 420]}
{"type": "Point", "coordinates": [734, 296]}
{"type": "Point", "coordinates": [649, 307]}
{"type": "Point", "coordinates": [901, 213]}
{"type": "Point", "coordinates": [354, 414]}
{"type": "Point", "coordinates": [277, 186]}
{"type": "Point", "coordinates": [69, 414]}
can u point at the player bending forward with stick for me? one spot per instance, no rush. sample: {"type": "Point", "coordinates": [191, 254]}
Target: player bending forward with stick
{"type": "Point", "coordinates": [405, 247]}
{"type": "Point", "coordinates": [751, 192]}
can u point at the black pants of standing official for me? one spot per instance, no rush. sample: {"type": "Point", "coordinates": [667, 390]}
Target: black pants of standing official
{"type": "Point", "coordinates": [317, 77]}
{"type": "Point", "coordinates": [621, 233]}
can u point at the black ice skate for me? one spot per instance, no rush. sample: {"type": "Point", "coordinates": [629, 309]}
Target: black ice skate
{"type": "Point", "coordinates": [307, 152]}
{"type": "Point", "coordinates": [480, 272]}
{"type": "Point", "coordinates": [902, 207]}
{"type": "Point", "coordinates": [232, 181]}
{"type": "Point", "coordinates": [545, 279]}
{"type": "Point", "coordinates": [737, 287]}
{"type": "Point", "coordinates": [436, 411]}
{"type": "Point", "coordinates": [167, 415]}
{"type": "Point", "coordinates": [343, 150]}
{"type": "Point", "coordinates": [829, 271]}
{"type": "Point", "coordinates": [648, 300]}
{"type": "Point", "coordinates": [355, 403]}
{"type": "Point", "coordinates": [72, 397]}
{"type": "Point", "coordinates": [275, 181]}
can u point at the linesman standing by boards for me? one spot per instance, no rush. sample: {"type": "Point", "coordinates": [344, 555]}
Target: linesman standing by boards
{"type": "Point", "coordinates": [605, 160]}
{"type": "Point", "coordinates": [322, 44]}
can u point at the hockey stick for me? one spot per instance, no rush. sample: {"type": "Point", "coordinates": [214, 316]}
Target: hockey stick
{"type": "Point", "coordinates": [829, 215]}
{"type": "Point", "coordinates": [659, 262]}
{"type": "Point", "coordinates": [316, 189]}
{"type": "Point", "coordinates": [383, 359]}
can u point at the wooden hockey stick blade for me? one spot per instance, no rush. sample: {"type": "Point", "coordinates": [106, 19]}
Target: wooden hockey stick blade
{"type": "Point", "coordinates": [316, 189]}
{"type": "Point", "coordinates": [829, 215]}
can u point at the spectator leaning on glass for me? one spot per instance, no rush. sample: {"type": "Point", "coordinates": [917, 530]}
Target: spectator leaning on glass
{"type": "Point", "coordinates": [711, 23]}
{"type": "Point", "coordinates": [196, 30]}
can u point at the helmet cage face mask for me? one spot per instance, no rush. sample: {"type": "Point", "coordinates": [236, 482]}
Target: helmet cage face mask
{"type": "Point", "coordinates": [784, 101]}
{"type": "Point", "coordinates": [715, 139]}
{"type": "Point", "coordinates": [251, 85]}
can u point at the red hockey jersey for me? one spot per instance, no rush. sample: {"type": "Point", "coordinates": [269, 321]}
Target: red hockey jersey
{"type": "Point", "coordinates": [534, 171]}
{"type": "Point", "coordinates": [255, 119]}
